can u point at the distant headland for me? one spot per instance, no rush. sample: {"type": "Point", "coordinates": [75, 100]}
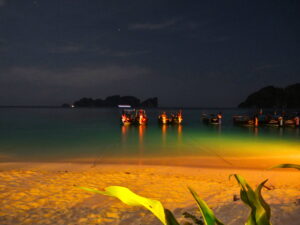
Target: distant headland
{"type": "Point", "coordinates": [114, 101]}
{"type": "Point", "coordinates": [274, 97]}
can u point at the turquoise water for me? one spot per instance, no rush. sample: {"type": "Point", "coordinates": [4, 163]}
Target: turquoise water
{"type": "Point", "coordinates": [65, 134]}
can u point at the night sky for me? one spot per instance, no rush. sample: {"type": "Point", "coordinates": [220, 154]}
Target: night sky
{"type": "Point", "coordinates": [187, 53]}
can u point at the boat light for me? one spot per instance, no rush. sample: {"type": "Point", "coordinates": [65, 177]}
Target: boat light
{"type": "Point", "coordinates": [124, 106]}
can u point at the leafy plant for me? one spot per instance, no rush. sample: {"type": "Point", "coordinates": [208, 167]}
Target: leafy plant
{"type": "Point", "coordinates": [294, 166]}
{"type": "Point", "coordinates": [208, 215]}
{"type": "Point", "coordinates": [132, 199]}
{"type": "Point", "coordinates": [260, 211]}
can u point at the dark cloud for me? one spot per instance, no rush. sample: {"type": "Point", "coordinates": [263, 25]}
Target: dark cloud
{"type": "Point", "coordinates": [267, 67]}
{"type": "Point", "coordinates": [189, 53]}
{"type": "Point", "coordinates": [75, 76]}
{"type": "Point", "coordinates": [153, 26]}
{"type": "Point", "coordinates": [2, 3]}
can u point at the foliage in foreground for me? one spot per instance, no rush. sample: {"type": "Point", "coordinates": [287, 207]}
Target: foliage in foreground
{"type": "Point", "coordinates": [260, 213]}
{"type": "Point", "coordinates": [293, 166]}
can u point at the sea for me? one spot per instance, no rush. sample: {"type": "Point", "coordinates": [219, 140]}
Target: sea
{"type": "Point", "coordinates": [95, 135]}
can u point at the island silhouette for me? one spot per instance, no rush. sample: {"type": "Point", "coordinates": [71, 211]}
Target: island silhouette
{"type": "Point", "coordinates": [114, 101]}
{"type": "Point", "coordinates": [274, 97]}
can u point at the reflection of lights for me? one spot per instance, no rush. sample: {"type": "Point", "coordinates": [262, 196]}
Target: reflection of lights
{"type": "Point", "coordinates": [258, 148]}
{"type": "Point", "coordinates": [164, 132]}
{"type": "Point", "coordinates": [280, 131]}
{"type": "Point", "coordinates": [255, 131]}
{"type": "Point", "coordinates": [141, 143]}
{"type": "Point", "coordinates": [179, 129]}
{"type": "Point", "coordinates": [141, 133]}
{"type": "Point", "coordinates": [164, 128]}
{"type": "Point", "coordinates": [124, 130]}
{"type": "Point", "coordinates": [219, 129]}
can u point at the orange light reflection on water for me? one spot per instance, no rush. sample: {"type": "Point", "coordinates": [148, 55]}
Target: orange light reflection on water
{"type": "Point", "coordinates": [141, 130]}
{"type": "Point", "coordinates": [124, 136]}
{"type": "Point", "coordinates": [254, 150]}
{"type": "Point", "coordinates": [179, 134]}
{"type": "Point", "coordinates": [164, 134]}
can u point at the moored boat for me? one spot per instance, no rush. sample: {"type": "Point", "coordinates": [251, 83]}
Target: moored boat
{"type": "Point", "coordinates": [178, 118]}
{"type": "Point", "coordinates": [245, 121]}
{"type": "Point", "coordinates": [289, 123]}
{"type": "Point", "coordinates": [141, 117]}
{"type": "Point", "coordinates": [292, 120]}
{"type": "Point", "coordinates": [128, 116]}
{"type": "Point", "coordinates": [212, 119]}
{"type": "Point", "coordinates": [164, 119]}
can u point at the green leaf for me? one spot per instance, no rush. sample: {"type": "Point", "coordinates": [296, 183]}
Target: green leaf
{"type": "Point", "coordinates": [294, 166]}
{"type": "Point", "coordinates": [132, 199]}
{"type": "Point", "coordinates": [170, 218]}
{"type": "Point", "coordinates": [260, 211]}
{"type": "Point", "coordinates": [207, 214]}
{"type": "Point", "coordinates": [262, 201]}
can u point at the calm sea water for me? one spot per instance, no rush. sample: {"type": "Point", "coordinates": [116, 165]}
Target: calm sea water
{"type": "Point", "coordinates": [65, 134]}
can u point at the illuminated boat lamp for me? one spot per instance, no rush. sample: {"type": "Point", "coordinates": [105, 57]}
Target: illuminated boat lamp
{"type": "Point", "coordinates": [124, 106]}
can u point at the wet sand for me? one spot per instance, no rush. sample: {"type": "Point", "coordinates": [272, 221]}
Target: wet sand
{"type": "Point", "coordinates": [46, 193]}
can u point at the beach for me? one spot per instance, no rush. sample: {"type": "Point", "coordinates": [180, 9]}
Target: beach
{"type": "Point", "coordinates": [162, 98]}
{"type": "Point", "coordinates": [47, 193]}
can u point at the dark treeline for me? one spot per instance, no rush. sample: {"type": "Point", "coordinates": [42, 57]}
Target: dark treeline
{"type": "Point", "coordinates": [113, 101]}
{"type": "Point", "coordinates": [274, 97]}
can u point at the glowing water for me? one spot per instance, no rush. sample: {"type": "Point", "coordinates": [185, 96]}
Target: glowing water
{"type": "Point", "coordinates": [96, 135]}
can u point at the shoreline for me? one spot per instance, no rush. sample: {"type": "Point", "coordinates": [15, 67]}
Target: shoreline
{"type": "Point", "coordinates": [45, 193]}
{"type": "Point", "coordinates": [252, 163]}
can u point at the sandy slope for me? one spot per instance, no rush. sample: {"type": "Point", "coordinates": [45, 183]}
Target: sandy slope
{"type": "Point", "coordinates": [40, 193]}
